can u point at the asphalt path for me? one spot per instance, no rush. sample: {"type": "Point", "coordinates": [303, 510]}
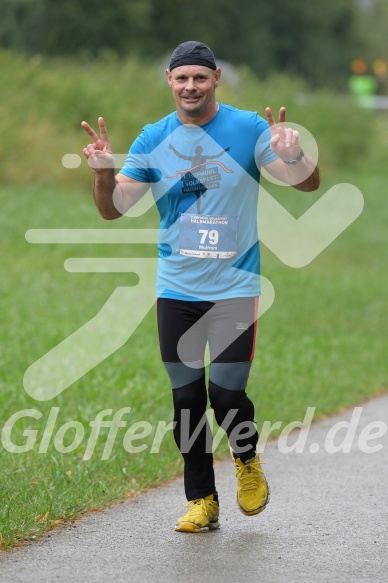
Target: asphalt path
{"type": "Point", "coordinates": [327, 520]}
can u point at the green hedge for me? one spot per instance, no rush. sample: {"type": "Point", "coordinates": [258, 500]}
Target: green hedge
{"type": "Point", "coordinates": [43, 101]}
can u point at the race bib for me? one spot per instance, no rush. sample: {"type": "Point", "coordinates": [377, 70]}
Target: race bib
{"type": "Point", "coordinates": [208, 236]}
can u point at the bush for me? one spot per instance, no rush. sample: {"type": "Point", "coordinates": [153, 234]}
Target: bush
{"type": "Point", "coordinates": [43, 102]}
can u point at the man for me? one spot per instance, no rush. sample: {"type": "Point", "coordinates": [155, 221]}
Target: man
{"type": "Point", "coordinates": [208, 269]}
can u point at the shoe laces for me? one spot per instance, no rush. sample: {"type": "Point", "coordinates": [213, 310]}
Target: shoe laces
{"type": "Point", "coordinates": [249, 474]}
{"type": "Point", "coordinates": [198, 507]}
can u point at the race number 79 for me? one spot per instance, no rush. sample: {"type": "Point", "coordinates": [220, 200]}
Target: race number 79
{"type": "Point", "coordinates": [212, 235]}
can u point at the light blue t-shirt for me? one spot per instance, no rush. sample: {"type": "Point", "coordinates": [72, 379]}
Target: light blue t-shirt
{"type": "Point", "coordinates": [205, 183]}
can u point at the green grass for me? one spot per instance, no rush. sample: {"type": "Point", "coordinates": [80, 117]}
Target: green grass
{"type": "Point", "coordinates": [322, 344]}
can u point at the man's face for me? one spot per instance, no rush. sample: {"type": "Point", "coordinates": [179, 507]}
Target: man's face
{"type": "Point", "coordinates": [193, 88]}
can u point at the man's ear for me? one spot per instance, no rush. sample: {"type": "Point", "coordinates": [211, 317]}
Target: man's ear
{"type": "Point", "coordinates": [217, 76]}
{"type": "Point", "coordinates": [169, 77]}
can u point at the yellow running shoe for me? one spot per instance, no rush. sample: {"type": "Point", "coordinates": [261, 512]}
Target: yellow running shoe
{"type": "Point", "coordinates": [252, 487]}
{"type": "Point", "coordinates": [201, 516]}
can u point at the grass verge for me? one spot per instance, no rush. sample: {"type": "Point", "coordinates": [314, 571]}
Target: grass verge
{"type": "Point", "coordinates": [322, 344]}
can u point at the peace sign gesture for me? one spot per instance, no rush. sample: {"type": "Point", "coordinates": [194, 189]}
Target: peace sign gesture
{"type": "Point", "coordinates": [284, 141]}
{"type": "Point", "coordinates": [99, 153]}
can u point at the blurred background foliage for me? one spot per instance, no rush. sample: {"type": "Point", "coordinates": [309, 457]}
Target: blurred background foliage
{"type": "Point", "coordinates": [316, 41]}
{"type": "Point", "coordinates": [44, 99]}
{"type": "Point", "coordinates": [62, 62]}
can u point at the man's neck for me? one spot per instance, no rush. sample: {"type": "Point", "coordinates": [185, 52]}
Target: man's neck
{"type": "Point", "coordinates": [198, 120]}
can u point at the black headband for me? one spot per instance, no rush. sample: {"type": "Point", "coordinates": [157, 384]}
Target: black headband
{"type": "Point", "coordinates": [192, 52]}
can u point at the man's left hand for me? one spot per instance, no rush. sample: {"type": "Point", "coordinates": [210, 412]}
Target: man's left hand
{"type": "Point", "coordinates": [284, 141]}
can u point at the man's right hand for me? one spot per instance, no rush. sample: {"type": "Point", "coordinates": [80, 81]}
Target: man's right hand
{"type": "Point", "coordinates": [99, 153]}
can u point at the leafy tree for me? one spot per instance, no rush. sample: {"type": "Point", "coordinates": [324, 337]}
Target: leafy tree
{"type": "Point", "coordinates": [71, 27]}
{"type": "Point", "coordinates": [297, 37]}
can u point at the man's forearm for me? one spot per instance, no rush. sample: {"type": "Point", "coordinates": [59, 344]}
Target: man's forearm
{"type": "Point", "coordinates": [304, 175]}
{"type": "Point", "coordinates": [103, 188]}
